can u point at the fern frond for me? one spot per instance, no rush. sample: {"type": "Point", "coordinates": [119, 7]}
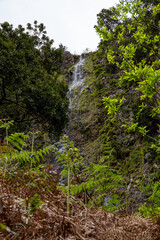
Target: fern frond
{"type": "Point", "coordinates": [17, 140]}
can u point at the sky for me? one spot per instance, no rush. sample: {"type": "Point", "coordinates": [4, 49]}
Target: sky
{"type": "Point", "coordinates": [68, 22]}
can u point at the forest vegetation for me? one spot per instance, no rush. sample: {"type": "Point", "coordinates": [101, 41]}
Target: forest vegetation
{"type": "Point", "coordinates": [108, 185]}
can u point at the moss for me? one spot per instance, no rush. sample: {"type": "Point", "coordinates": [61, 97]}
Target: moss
{"type": "Point", "coordinates": [102, 137]}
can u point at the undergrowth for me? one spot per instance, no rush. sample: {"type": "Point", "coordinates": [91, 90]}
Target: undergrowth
{"type": "Point", "coordinates": [32, 204]}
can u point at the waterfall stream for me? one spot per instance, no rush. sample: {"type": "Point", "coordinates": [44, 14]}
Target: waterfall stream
{"type": "Point", "coordinates": [75, 88]}
{"type": "Point", "coordinates": [77, 81]}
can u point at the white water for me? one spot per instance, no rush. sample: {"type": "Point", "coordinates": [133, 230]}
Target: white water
{"type": "Point", "coordinates": [77, 74]}
{"type": "Point", "coordinates": [78, 80]}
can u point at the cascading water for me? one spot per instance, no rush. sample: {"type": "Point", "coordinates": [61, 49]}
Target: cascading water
{"type": "Point", "coordinates": [78, 80]}
{"type": "Point", "coordinates": [75, 89]}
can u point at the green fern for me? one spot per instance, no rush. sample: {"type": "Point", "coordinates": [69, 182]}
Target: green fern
{"type": "Point", "coordinates": [4, 123]}
{"type": "Point", "coordinates": [16, 152]}
{"type": "Point", "coordinates": [102, 181]}
{"type": "Point", "coordinates": [25, 157]}
{"type": "Point", "coordinates": [17, 140]}
{"type": "Point", "coordinates": [71, 159]}
{"type": "Point", "coordinates": [152, 208]}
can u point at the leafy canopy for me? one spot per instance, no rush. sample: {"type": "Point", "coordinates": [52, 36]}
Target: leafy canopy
{"type": "Point", "coordinates": [132, 45]}
{"type": "Point", "coordinates": [29, 85]}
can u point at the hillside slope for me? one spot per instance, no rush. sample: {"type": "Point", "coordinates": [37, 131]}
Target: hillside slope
{"type": "Point", "coordinates": [115, 121]}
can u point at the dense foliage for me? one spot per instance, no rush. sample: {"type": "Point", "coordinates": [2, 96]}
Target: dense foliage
{"type": "Point", "coordinates": [119, 105]}
{"type": "Point", "coordinates": [32, 207]}
{"type": "Point", "coordinates": [132, 48]}
{"type": "Point", "coordinates": [30, 90]}
{"type": "Point", "coordinates": [116, 124]}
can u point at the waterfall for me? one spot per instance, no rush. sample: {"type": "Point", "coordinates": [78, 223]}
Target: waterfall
{"type": "Point", "coordinates": [75, 88]}
{"type": "Point", "coordinates": [77, 81]}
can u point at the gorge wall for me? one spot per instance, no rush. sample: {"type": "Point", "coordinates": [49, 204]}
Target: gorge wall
{"type": "Point", "coordinates": [101, 137]}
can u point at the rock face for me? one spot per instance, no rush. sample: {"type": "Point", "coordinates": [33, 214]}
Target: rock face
{"type": "Point", "coordinates": [83, 111]}
{"type": "Point", "coordinates": [101, 137]}
{"type": "Point", "coordinates": [83, 128]}
{"type": "Point", "coordinates": [68, 61]}
{"type": "Point", "coordinates": [76, 85]}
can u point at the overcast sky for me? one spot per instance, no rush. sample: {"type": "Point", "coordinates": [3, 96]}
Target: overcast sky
{"type": "Point", "coordinates": [70, 22]}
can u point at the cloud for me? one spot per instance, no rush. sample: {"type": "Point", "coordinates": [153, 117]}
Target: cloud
{"type": "Point", "coordinates": [70, 22]}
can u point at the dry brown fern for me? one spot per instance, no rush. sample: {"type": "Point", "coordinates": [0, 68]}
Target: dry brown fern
{"type": "Point", "coordinates": [52, 223]}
